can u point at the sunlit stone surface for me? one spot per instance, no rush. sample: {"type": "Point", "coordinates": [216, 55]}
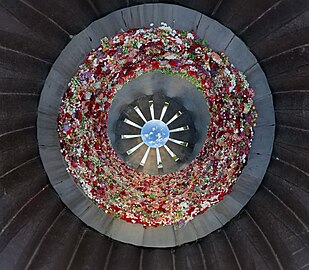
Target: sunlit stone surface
{"type": "Point", "coordinates": [155, 133]}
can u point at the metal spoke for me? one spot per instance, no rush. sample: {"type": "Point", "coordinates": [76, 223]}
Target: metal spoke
{"type": "Point", "coordinates": [182, 143]}
{"type": "Point", "coordinates": [159, 160]}
{"type": "Point", "coordinates": [132, 150]}
{"type": "Point", "coordinates": [130, 136]}
{"type": "Point", "coordinates": [164, 109]}
{"type": "Point", "coordinates": [139, 112]}
{"type": "Point", "coordinates": [174, 117]}
{"type": "Point", "coordinates": [143, 161]}
{"type": "Point", "coordinates": [171, 153]}
{"type": "Point", "coordinates": [179, 129]}
{"type": "Point", "coordinates": [151, 106]}
{"type": "Point", "coordinates": [129, 122]}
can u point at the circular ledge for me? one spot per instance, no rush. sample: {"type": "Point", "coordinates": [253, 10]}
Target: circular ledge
{"type": "Point", "coordinates": [219, 38]}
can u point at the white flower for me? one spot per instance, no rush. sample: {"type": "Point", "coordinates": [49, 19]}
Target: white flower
{"type": "Point", "coordinates": [184, 205]}
{"type": "Point", "coordinates": [166, 28]}
{"type": "Point", "coordinates": [97, 85]}
{"type": "Point", "coordinates": [178, 40]}
{"type": "Point", "coordinates": [185, 55]}
{"type": "Point", "coordinates": [198, 50]}
{"type": "Point", "coordinates": [193, 68]}
{"type": "Point", "coordinates": [88, 95]}
{"type": "Point", "coordinates": [171, 56]}
{"type": "Point", "coordinates": [189, 35]}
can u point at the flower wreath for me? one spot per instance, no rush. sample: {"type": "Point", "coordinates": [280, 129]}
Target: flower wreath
{"type": "Point", "coordinates": [155, 200]}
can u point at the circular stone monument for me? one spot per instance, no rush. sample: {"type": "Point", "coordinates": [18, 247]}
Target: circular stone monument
{"type": "Point", "coordinates": [81, 201]}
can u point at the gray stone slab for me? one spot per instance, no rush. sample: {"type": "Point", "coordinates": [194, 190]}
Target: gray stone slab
{"type": "Point", "coordinates": [96, 218]}
{"type": "Point", "coordinates": [160, 237]}
{"type": "Point", "coordinates": [203, 27]}
{"type": "Point", "coordinates": [133, 17]}
{"type": "Point", "coordinates": [47, 121]}
{"type": "Point", "coordinates": [151, 166]}
{"type": "Point", "coordinates": [48, 137]}
{"type": "Point", "coordinates": [102, 221]}
{"type": "Point", "coordinates": [62, 71]}
{"type": "Point", "coordinates": [95, 39]}
{"type": "Point", "coordinates": [144, 15]}
{"type": "Point", "coordinates": [53, 163]}
{"type": "Point", "coordinates": [239, 194]}
{"type": "Point", "coordinates": [185, 19]}
{"type": "Point", "coordinates": [247, 184]}
{"type": "Point", "coordinates": [263, 140]}
{"type": "Point", "coordinates": [66, 187]}
{"type": "Point", "coordinates": [206, 223]}
{"type": "Point", "coordinates": [265, 109]}
{"type": "Point", "coordinates": [82, 206]}
{"type": "Point", "coordinates": [93, 217]}
{"type": "Point", "coordinates": [106, 26]}
{"type": "Point", "coordinates": [226, 209]}
{"type": "Point", "coordinates": [257, 165]}
{"type": "Point", "coordinates": [77, 205]}
{"type": "Point", "coordinates": [257, 80]}
{"type": "Point", "coordinates": [136, 157]}
{"type": "Point", "coordinates": [119, 229]}
{"type": "Point", "coordinates": [156, 13]}
{"type": "Point", "coordinates": [72, 56]}
{"type": "Point", "coordinates": [240, 55]}
{"type": "Point", "coordinates": [185, 234]}
{"type": "Point", "coordinates": [170, 164]}
{"type": "Point", "coordinates": [72, 197]}
{"type": "Point", "coordinates": [46, 129]}
{"type": "Point", "coordinates": [217, 36]}
{"type": "Point", "coordinates": [53, 90]}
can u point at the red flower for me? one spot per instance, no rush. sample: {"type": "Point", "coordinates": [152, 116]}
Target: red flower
{"type": "Point", "coordinates": [78, 115]}
{"type": "Point", "coordinates": [173, 63]}
{"type": "Point", "coordinates": [192, 208]}
{"type": "Point", "coordinates": [89, 165]}
{"type": "Point", "coordinates": [192, 73]}
{"type": "Point", "coordinates": [98, 71]}
{"type": "Point", "coordinates": [74, 164]}
{"type": "Point", "coordinates": [155, 65]}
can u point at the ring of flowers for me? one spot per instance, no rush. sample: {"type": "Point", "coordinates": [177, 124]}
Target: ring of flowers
{"type": "Point", "coordinates": [123, 192]}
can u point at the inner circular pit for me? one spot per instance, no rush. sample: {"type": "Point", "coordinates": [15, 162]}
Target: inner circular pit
{"type": "Point", "coordinates": [154, 127]}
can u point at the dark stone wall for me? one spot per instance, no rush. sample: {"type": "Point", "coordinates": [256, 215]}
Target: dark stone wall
{"type": "Point", "coordinates": [36, 229]}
